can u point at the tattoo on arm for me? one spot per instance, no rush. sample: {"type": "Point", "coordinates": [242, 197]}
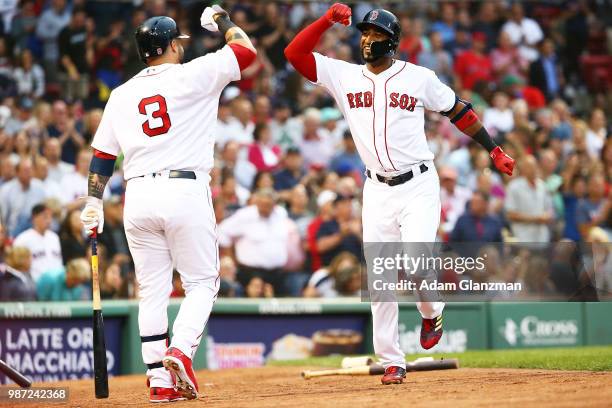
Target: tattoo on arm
{"type": "Point", "coordinates": [234, 35]}
{"type": "Point", "coordinates": [96, 184]}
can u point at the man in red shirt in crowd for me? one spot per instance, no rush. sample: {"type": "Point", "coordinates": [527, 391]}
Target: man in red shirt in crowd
{"type": "Point", "coordinates": [474, 65]}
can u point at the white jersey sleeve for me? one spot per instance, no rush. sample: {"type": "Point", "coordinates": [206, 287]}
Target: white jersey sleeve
{"type": "Point", "coordinates": [329, 71]}
{"type": "Point", "coordinates": [438, 96]}
{"type": "Point", "coordinates": [105, 139]}
{"type": "Point", "coordinates": [212, 72]}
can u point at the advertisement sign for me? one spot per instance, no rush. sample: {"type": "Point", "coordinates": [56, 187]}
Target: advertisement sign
{"type": "Point", "coordinates": [248, 341]}
{"type": "Point", "coordinates": [55, 350]}
{"type": "Point", "coordinates": [547, 325]}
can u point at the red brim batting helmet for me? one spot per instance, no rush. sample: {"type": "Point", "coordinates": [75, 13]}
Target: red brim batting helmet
{"type": "Point", "coordinates": [154, 35]}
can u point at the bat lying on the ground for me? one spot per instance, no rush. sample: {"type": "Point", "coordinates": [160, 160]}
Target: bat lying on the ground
{"type": "Point", "coordinates": [377, 369]}
{"type": "Point", "coordinates": [15, 375]}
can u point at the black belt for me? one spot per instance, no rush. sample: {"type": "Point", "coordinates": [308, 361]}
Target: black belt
{"type": "Point", "coordinates": [399, 179]}
{"type": "Point", "coordinates": [182, 174]}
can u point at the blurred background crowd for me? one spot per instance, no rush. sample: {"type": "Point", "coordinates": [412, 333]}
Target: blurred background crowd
{"type": "Point", "coordinates": [287, 181]}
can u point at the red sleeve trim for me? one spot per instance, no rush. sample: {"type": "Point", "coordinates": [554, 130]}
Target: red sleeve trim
{"type": "Point", "coordinates": [102, 155]}
{"type": "Point", "coordinates": [244, 56]}
{"type": "Point", "coordinates": [467, 120]}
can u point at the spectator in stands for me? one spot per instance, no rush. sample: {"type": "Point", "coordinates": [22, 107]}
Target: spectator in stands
{"type": "Point", "coordinates": [348, 162]}
{"type": "Point", "coordinates": [16, 284]}
{"type": "Point", "coordinates": [57, 168]}
{"type": "Point", "coordinates": [44, 244]}
{"type": "Point", "coordinates": [499, 118]}
{"type": "Point", "coordinates": [507, 60]}
{"type": "Point", "coordinates": [487, 22]}
{"type": "Point", "coordinates": [263, 179]}
{"type": "Point", "coordinates": [548, 167]}
{"type": "Point", "coordinates": [316, 148]}
{"type": "Point", "coordinates": [594, 209]}
{"type": "Point", "coordinates": [290, 173]}
{"type": "Point", "coordinates": [23, 26]}
{"type": "Point", "coordinates": [524, 32]}
{"type": "Point", "coordinates": [7, 173]}
{"type": "Point", "coordinates": [258, 288]}
{"type": "Point", "coordinates": [596, 133]}
{"type": "Point", "coordinates": [258, 234]}
{"type": "Point", "coordinates": [545, 72]}
{"type": "Point", "coordinates": [66, 284]}
{"type": "Point", "coordinates": [75, 57]}
{"type": "Point", "coordinates": [263, 154]}
{"type": "Point", "coordinates": [29, 76]}
{"type": "Point", "coordinates": [298, 208]}
{"type": "Point", "coordinates": [67, 131]}
{"type": "Point", "coordinates": [229, 287]}
{"type": "Point", "coordinates": [112, 283]}
{"type": "Point", "coordinates": [19, 196]}
{"type": "Point", "coordinates": [446, 25]}
{"type": "Point", "coordinates": [41, 172]}
{"type": "Point", "coordinates": [72, 241]}
{"type": "Point", "coordinates": [574, 190]}
{"type": "Point", "coordinates": [322, 283]}
{"type": "Point", "coordinates": [437, 58]}
{"type": "Point", "coordinates": [21, 118]}
{"type": "Point", "coordinates": [232, 161]}
{"type": "Point", "coordinates": [453, 198]}
{"type": "Point", "coordinates": [74, 184]}
{"type": "Point", "coordinates": [476, 225]}
{"type": "Point", "coordinates": [113, 237]}
{"type": "Point", "coordinates": [341, 233]}
{"type": "Point", "coordinates": [528, 204]}
{"type": "Point", "coordinates": [474, 65]}
{"type": "Point", "coordinates": [48, 28]}
{"type": "Point", "coordinates": [240, 125]}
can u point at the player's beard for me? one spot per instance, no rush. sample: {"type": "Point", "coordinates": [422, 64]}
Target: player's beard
{"type": "Point", "coordinates": [369, 57]}
{"type": "Point", "coordinates": [181, 53]}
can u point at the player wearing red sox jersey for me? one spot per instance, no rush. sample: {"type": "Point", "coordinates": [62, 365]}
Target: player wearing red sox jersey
{"type": "Point", "coordinates": [384, 102]}
{"type": "Point", "coordinates": [162, 121]}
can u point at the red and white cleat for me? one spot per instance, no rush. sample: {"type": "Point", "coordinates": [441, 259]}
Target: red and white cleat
{"type": "Point", "coordinates": [181, 370]}
{"type": "Point", "coordinates": [159, 394]}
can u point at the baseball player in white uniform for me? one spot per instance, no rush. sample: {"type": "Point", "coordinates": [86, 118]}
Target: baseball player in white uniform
{"type": "Point", "coordinates": [384, 102]}
{"type": "Point", "coordinates": [162, 121]}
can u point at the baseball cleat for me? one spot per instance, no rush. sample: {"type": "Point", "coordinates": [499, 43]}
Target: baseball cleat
{"type": "Point", "coordinates": [181, 370]}
{"type": "Point", "coordinates": [431, 332]}
{"type": "Point", "coordinates": [393, 375]}
{"type": "Point", "coordinates": [159, 394]}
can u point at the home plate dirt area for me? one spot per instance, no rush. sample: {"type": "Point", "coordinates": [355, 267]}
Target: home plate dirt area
{"type": "Point", "coordinates": [284, 387]}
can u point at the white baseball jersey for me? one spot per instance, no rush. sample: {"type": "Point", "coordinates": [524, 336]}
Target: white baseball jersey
{"type": "Point", "coordinates": [385, 112]}
{"type": "Point", "coordinates": [165, 116]}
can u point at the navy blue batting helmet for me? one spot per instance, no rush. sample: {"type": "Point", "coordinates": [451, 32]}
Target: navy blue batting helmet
{"type": "Point", "coordinates": [384, 21]}
{"type": "Point", "coordinates": [154, 35]}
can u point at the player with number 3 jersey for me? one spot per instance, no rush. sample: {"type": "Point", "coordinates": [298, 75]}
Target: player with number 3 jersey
{"type": "Point", "coordinates": [162, 121]}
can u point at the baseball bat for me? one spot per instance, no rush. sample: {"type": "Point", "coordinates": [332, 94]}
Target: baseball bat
{"type": "Point", "coordinates": [377, 369]}
{"type": "Point", "coordinates": [99, 346]}
{"type": "Point", "coordinates": [15, 375]}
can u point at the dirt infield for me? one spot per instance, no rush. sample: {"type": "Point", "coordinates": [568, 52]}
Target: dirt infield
{"type": "Point", "coordinates": [283, 387]}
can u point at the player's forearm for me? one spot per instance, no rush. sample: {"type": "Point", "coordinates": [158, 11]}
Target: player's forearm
{"type": "Point", "coordinates": [100, 171]}
{"type": "Point", "coordinates": [466, 120]}
{"type": "Point", "coordinates": [232, 33]}
{"type": "Point", "coordinates": [299, 51]}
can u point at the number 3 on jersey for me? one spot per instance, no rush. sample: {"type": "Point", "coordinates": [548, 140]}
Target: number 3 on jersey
{"type": "Point", "coordinates": [156, 111]}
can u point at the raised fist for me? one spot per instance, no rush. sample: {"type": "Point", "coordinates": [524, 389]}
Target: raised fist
{"type": "Point", "coordinates": [339, 13]}
{"type": "Point", "coordinates": [207, 21]}
{"type": "Point", "coordinates": [502, 161]}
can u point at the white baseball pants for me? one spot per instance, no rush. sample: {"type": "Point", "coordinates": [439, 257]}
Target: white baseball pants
{"type": "Point", "coordinates": [409, 212]}
{"type": "Point", "coordinates": [170, 224]}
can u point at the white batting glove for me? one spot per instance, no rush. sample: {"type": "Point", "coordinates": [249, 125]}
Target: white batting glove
{"type": "Point", "coordinates": [92, 215]}
{"type": "Point", "coordinates": [207, 21]}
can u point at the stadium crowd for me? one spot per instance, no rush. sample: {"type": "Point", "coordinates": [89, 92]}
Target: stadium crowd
{"type": "Point", "coordinates": [287, 180]}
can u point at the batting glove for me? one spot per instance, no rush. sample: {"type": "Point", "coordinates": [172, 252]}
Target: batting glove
{"type": "Point", "coordinates": [207, 21]}
{"type": "Point", "coordinates": [502, 161]}
{"type": "Point", "coordinates": [92, 215]}
{"type": "Point", "coordinates": [339, 13]}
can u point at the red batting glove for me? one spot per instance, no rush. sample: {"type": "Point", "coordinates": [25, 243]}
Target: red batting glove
{"type": "Point", "coordinates": [502, 161]}
{"type": "Point", "coordinates": [339, 13]}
